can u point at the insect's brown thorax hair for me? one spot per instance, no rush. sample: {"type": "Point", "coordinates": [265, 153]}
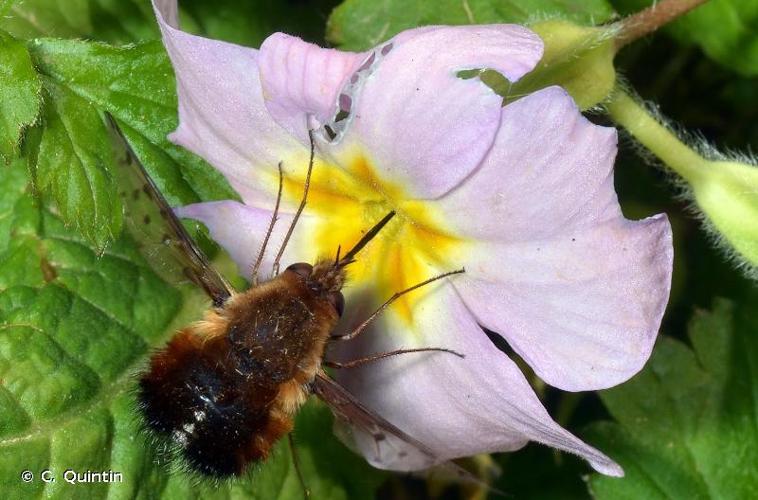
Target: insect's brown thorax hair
{"type": "Point", "coordinates": [303, 303]}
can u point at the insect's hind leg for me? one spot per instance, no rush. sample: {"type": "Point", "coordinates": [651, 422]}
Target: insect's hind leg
{"type": "Point", "coordinates": [296, 462]}
{"type": "Point", "coordinates": [360, 328]}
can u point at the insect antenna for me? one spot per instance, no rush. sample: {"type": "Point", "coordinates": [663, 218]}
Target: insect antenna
{"type": "Point", "coordinates": [270, 229]}
{"type": "Point", "coordinates": [300, 208]}
{"type": "Point", "coordinates": [350, 256]}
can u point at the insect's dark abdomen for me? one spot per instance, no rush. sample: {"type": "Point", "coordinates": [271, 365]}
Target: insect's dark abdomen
{"type": "Point", "coordinates": [194, 398]}
{"type": "Point", "coordinates": [224, 442]}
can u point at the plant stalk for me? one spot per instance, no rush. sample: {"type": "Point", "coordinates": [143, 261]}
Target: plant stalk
{"type": "Point", "coordinates": [659, 139]}
{"type": "Point", "coordinates": [654, 17]}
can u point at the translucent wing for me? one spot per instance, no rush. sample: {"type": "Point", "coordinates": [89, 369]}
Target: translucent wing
{"type": "Point", "coordinates": [351, 411]}
{"type": "Point", "coordinates": [152, 222]}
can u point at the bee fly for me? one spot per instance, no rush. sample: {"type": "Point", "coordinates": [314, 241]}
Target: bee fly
{"type": "Point", "coordinates": [225, 389]}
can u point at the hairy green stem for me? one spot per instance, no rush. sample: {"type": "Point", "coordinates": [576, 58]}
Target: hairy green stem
{"type": "Point", "coordinates": [654, 17]}
{"type": "Point", "coordinates": [724, 190]}
{"type": "Point", "coordinates": [655, 136]}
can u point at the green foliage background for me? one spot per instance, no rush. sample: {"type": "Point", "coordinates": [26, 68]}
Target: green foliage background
{"type": "Point", "coordinates": [80, 311]}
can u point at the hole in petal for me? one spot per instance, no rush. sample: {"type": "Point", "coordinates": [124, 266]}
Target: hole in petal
{"type": "Point", "coordinates": [367, 63]}
{"type": "Point", "coordinates": [345, 102]}
{"type": "Point", "coordinates": [341, 115]}
{"type": "Point", "coordinates": [468, 74]}
{"type": "Point", "coordinates": [330, 132]}
{"type": "Point", "coordinates": [349, 94]}
{"type": "Point", "coordinates": [494, 80]}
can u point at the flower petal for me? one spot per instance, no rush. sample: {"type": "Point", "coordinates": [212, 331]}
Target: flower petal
{"type": "Point", "coordinates": [301, 79]}
{"type": "Point", "coordinates": [421, 125]}
{"type": "Point", "coordinates": [240, 229]}
{"type": "Point", "coordinates": [549, 171]}
{"type": "Point", "coordinates": [583, 309]}
{"type": "Point", "coordinates": [457, 407]}
{"type": "Point", "coordinates": [577, 290]}
{"type": "Point", "coordinates": [221, 112]}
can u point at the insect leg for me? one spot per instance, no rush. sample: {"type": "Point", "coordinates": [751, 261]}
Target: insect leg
{"type": "Point", "coordinates": [300, 208]}
{"type": "Point", "coordinates": [375, 357]}
{"type": "Point", "coordinates": [296, 462]}
{"type": "Point", "coordinates": [259, 260]}
{"type": "Point", "coordinates": [360, 328]}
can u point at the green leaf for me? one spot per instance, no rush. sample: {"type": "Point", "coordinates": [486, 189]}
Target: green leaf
{"type": "Point", "coordinates": [250, 22]}
{"type": "Point", "coordinates": [121, 21]}
{"type": "Point", "coordinates": [75, 328]}
{"type": "Point", "coordinates": [19, 93]}
{"type": "Point", "coordinates": [136, 84]}
{"type": "Point", "coordinates": [361, 24]}
{"type": "Point", "coordinates": [542, 473]}
{"type": "Point", "coordinates": [116, 21]}
{"type": "Point", "coordinates": [73, 161]}
{"type": "Point", "coordinates": [724, 29]}
{"type": "Point", "coordinates": [687, 426]}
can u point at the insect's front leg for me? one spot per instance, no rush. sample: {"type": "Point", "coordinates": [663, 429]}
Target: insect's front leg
{"type": "Point", "coordinates": [360, 328]}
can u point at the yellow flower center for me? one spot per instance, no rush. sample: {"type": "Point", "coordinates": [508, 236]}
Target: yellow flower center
{"type": "Point", "coordinates": [349, 199]}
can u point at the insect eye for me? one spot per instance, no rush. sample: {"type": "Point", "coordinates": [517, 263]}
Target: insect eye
{"type": "Point", "coordinates": [338, 301]}
{"type": "Point", "coordinates": [302, 269]}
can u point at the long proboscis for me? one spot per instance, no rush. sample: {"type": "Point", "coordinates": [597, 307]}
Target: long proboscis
{"type": "Point", "coordinates": [350, 256]}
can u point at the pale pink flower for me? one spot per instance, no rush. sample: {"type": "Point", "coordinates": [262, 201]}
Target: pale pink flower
{"type": "Point", "coordinates": [521, 196]}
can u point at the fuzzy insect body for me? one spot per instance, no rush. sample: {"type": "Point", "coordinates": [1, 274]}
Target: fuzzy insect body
{"type": "Point", "coordinates": [227, 388]}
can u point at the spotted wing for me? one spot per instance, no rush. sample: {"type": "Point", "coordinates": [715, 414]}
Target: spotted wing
{"type": "Point", "coordinates": [152, 222]}
{"type": "Point", "coordinates": [351, 411]}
